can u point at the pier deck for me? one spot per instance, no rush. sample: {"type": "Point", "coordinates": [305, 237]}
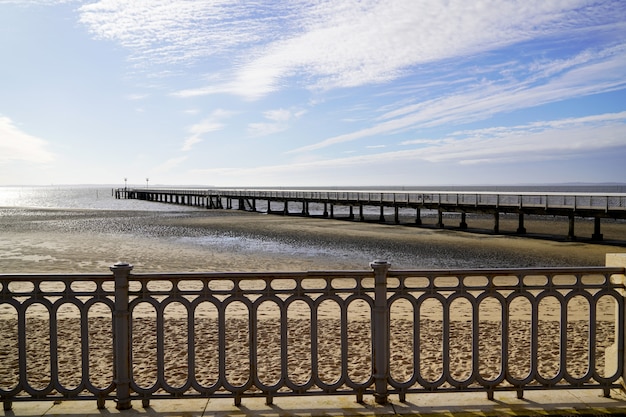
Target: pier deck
{"type": "Point", "coordinates": [571, 205]}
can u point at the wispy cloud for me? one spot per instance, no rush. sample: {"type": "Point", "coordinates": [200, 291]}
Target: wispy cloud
{"type": "Point", "coordinates": [277, 121]}
{"type": "Point", "coordinates": [552, 140]}
{"type": "Point", "coordinates": [598, 72]}
{"type": "Point", "coordinates": [170, 164]}
{"type": "Point", "coordinates": [210, 124]}
{"type": "Point", "coordinates": [351, 43]}
{"type": "Point", "coordinates": [17, 145]}
{"type": "Point", "coordinates": [256, 48]}
{"type": "Point", "coordinates": [178, 32]}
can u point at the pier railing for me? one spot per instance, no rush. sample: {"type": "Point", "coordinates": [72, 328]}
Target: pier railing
{"type": "Point", "coordinates": [140, 336]}
{"type": "Point", "coordinates": [615, 202]}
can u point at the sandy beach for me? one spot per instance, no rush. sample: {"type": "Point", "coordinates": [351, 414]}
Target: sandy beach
{"type": "Point", "coordinates": [49, 241]}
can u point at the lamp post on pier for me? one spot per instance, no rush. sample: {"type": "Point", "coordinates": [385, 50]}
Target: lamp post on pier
{"type": "Point", "coordinates": [125, 181]}
{"type": "Point", "coordinates": [147, 179]}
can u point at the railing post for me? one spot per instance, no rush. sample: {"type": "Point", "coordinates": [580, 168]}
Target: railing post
{"type": "Point", "coordinates": [380, 331]}
{"type": "Point", "coordinates": [615, 355]}
{"type": "Point", "coordinates": [121, 336]}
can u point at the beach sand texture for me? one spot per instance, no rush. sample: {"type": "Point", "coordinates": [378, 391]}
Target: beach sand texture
{"type": "Point", "coordinates": [50, 241]}
{"type": "Point", "coordinates": [298, 359]}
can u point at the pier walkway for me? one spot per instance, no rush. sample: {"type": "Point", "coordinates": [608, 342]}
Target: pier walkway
{"type": "Point", "coordinates": [358, 204]}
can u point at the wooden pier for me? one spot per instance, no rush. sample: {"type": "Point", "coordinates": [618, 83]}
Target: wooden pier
{"type": "Point", "coordinates": [570, 205]}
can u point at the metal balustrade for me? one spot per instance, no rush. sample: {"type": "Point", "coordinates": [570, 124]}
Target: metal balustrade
{"type": "Point", "coordinates": [140, 336]}
{"type": "Point", "coordinates": [615, 202]}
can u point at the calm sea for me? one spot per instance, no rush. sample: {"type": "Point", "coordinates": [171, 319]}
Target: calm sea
{"type": "Point", "coordinates": [76, 197]}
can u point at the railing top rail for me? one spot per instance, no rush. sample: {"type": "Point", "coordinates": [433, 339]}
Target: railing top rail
{"type": "Point", "coordinates": [511, 271]}
{"type": "Point", "coordinates": [322, 274]}
{"type": "Point", "coordinates": [55, 277]}
{"type": "Point", "coordinates": [252, 191]}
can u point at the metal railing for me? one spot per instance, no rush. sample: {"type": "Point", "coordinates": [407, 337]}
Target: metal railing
{"type": "Point", "coordinates": [614, 202]}
{"type": "Point", "coordinates": [139, 336]}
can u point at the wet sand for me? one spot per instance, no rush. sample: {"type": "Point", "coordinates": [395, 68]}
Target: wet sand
{"type": "Point", "coordinates": [49, 241]}
{"type": "Point", "coordinates": [91, 241]}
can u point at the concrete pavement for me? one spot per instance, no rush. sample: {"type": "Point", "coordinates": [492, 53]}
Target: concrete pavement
{"type": "Point", "coordinates": [557, 402]}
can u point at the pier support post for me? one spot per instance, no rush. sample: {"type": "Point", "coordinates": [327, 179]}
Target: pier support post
{"type": "Point", "coordinates": [286, 208]}
{"type": "Point", "coordinates": [440, 219]}
{"type": "Point", "coordinates": [381, 218]}
{"type": "Point", "coordinates": [351, 215]}
{"type": "Point", "coordinates": [361, 217]}
{"type": "Point", "coordinates": [396, 215]}
{"type": "Point", "coordinates": [380, 331]}
{"type": "Point", "coordinates": [570, 233]}
{"type": "Point", "coordinates": [596, 229]}
{"type": "Point", "coordinates": [496, 222]}
{"type": "Point", "coordinates": [325, 210]}
{"type": "Point", "coordinates": [520, 225]}
{"type": "Point", "coordinates": [463, 224]}
{"type": "Point", "coordinates": [121, 336]}
{"type": "Point", "coordinates": [418, 216]}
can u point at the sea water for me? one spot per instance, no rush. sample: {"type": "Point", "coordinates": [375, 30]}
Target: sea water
{"type": "Point", "coordinates": [75, 197]}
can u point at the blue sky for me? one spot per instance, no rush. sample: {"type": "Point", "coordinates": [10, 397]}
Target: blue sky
{"type": "Point", "coordinates": [312, 93]}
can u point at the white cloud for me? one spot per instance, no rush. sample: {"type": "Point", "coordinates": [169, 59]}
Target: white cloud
{"type": "Point", "coordinates": [210, 124]}
{"type": "Point", "coordinates": [354, 43]}
{"type": "Point", "coordinates": [177, 32]}
{"type": "Point", "coordinates": [16, 145]}
{"type": "Point", "coordinates": [600, 72]}
{"type": "Point", "coordinates": [170, 164]}
{"type": "Point", "coordinates": [278, 121]}
{"type": "Point", "coordinates": [554, 140]}
{"type": "Point", "coordinates": [136, 97]}
{"type": "Point", "coordinates": [256, 48]}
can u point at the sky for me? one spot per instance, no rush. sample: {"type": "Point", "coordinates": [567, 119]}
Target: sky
{"type": "Point", "coordinates": [312, 92]}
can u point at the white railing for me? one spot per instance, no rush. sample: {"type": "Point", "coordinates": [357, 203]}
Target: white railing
{"type": "Point", "coordinates": [137, 336]}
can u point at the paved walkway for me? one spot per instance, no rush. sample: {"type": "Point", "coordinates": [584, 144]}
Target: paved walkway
{"type": "Point", "coordinates": [561, 402]}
